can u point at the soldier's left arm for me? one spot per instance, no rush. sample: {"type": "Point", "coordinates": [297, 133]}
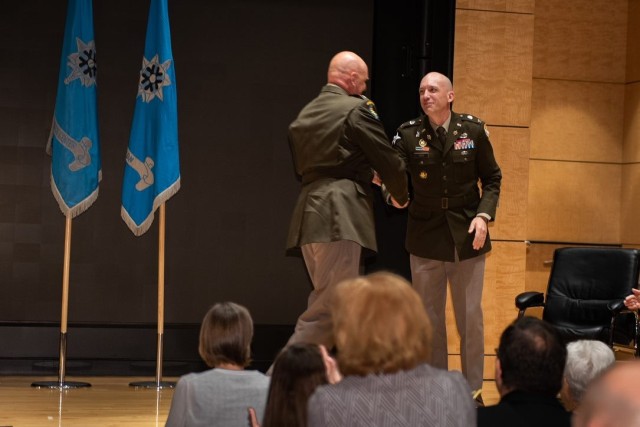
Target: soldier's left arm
{"type": "Point", "coordinates": [489, 173]}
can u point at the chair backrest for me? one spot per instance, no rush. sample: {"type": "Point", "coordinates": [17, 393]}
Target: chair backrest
{"type": "Point", "coordinates": [581, 284]}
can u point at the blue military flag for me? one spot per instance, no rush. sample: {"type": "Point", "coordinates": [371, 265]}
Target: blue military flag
{"type": "Point", "coordinates": [152, 170]}
{"type": "Point", "coordinates": [73, 142]}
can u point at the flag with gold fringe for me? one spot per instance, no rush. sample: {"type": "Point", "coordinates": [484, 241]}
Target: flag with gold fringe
{"type": "Point", "coordinates": [152, 169]}
{"type": "Point", "coordinates": [74, 140]}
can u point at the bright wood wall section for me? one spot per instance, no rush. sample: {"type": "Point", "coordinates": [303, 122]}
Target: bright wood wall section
{"type": "Point", "coordinates": [517, 6]}
{"type": "Point", "coordinates": [633, 42]}
{"type": "Point", "coordinates": [574, 202]}
{"type": "Point", "coordinates": [492, 77]}
{"type": "Point", "coordinates": [511, 148]}
{"type": "Point", "coordinates": [492, 80]}
{"type": "Point", "coordinates": [630, 234]}
{"type": "Point", "coordinates": [558, 83]}
{"type": "Point", "coordinates": [577, 121]}
{"type": "Point", "coordinates": [580, 40]}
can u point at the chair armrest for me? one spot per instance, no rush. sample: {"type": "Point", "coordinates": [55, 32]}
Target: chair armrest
{"type": "Point", "coordinates": [616, 306]}
{"type": "Point", "coordinates": [530, 299]}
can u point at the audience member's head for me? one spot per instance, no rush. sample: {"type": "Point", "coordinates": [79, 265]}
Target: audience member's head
{"type": "Point", "coordinates": [612, 399]}
{"type": "Point", "coordinates": [531, 358]}
{"type": "Point", "coordinates": [225, 336]}
{"type": "Point", "coordinates": [380, 325]}
{"type": "Point", "coordinates": [297, 371]}
{"type": "Point", "coordinates": [586, 359]}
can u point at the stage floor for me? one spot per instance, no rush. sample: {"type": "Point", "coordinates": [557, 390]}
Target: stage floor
{"type": "Point", "coordinates": [110, 401]}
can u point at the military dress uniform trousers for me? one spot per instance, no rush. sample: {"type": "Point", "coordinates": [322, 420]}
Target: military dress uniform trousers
{"type": "Point", "coordinates": [328, 264]}
{"type": "Point", "coordinates": [429, 278]}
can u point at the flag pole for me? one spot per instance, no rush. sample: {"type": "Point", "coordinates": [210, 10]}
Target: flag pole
{"type": "Point", "coordinates": [61, 383]}
{"type": "Point", "coordinates": [158, 383]}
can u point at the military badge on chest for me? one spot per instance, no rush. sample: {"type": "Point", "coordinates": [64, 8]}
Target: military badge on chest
{"type": "Point", "coordinates": [422, 144]}
{"type": "Point", "coordinates": [463, 142]}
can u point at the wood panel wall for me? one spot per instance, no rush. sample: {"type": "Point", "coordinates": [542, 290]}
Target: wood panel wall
{"type": "Point", "coordinates": [580, 40]}
{"type": "Point", "coordinates": [574, 202]}
{"type": "Point", "coordinates": [577, 112]}
{"type": "Point", "coordinates": [558, 83]}
{"type": "Point", "coordinates": [630, 231]}
{"type": "Point", "coordinates": [492, 79]}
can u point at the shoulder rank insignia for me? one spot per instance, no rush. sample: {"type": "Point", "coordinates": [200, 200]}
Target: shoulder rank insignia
{"type": "Point", "coordinates": [411, 123]}
{"type": "Point", "coordinates": [470, 118]}
{"type": "Point", "coordinates": [396, 138]}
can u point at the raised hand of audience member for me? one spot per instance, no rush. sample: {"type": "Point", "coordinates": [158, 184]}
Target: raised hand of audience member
{"type": "Point", "coordinates": [632, 302]}
{"type": "Point", "coordinates": [333, 373]}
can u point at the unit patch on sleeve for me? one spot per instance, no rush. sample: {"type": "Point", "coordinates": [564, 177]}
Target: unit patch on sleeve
{"type": "Point", "coordinates": [372, 109]}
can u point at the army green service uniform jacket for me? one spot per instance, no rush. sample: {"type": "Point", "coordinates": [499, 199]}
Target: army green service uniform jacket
{"type": "Point", "coordinates": [336, 141]}
{"type": "Point", "coordinates": [445, 181]}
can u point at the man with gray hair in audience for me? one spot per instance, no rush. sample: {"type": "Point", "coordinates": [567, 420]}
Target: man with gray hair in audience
{"type": "Point", "coordinates": [586, 359]}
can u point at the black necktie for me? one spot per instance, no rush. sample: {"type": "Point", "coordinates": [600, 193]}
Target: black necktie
{"type": "Point", "coordinates": [442, 134]}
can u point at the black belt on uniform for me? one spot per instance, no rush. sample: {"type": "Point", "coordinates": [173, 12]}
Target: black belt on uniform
{"type": "Point", "coordinates": [435, 203]}
{"type": "Point", "coordinates": [335, 173]}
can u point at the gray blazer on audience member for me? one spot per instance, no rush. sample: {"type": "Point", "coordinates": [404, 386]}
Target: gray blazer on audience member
{"type": "Point", "coordinates": [423, 396]}
{"type": "Point", "coordinates": [218, 397]}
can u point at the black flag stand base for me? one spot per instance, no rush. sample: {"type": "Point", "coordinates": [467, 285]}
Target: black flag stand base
{"type": "Point", "coordinates": [158, 384]}
{"type": "Point", "coordinates": [61, 384]}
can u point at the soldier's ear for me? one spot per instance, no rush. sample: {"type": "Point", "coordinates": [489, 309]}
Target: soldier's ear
{"type": "Point", "coordinates": [450, 96]}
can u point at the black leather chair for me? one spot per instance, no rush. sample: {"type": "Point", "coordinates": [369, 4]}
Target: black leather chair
{"type": "Point", "coordinates": [585, 294]}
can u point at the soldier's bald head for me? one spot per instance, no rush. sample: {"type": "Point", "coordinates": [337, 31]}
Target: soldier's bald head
{"type": "Point", "coordinates": [436, 96]}
{"type": "Point", "coordinates": [349, 71]}
{"type": "Point", "coordinates": [440, 78]}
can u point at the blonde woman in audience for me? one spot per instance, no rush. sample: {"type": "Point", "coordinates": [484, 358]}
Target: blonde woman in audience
{"type": "Point", "coordinates": [586, 359]}
{"type": "Point", "coordinates": [383, 339]}
{"type": "Point", "coordinates": [222, 395]}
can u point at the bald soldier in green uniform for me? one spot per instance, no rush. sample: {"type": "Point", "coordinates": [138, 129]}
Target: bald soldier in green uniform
{"type": "Point", "coordinates": [337, 142]}
{"type": "Point", "coordinates": [447, 155]}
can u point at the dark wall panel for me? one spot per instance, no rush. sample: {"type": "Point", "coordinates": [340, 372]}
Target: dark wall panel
{"type": "Point", "coordinates": [411, 38]}
{"type": "Point", "coordinates": [243, 69]}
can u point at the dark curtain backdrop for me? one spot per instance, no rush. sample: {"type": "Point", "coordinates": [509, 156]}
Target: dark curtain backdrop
{"type": "Point", "coordinates": [243, 70]}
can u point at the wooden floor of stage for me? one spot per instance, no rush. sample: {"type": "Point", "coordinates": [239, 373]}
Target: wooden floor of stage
{"type": "Point", "coordinates": [110, 401]}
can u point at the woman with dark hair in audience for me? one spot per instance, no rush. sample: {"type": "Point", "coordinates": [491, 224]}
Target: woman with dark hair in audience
{"type": "Point", "coordinates": [221, 396]}
{"type": "Point", "coordinates": [297, 371]}
{"type": "Point", "coordinates": [383, 338]}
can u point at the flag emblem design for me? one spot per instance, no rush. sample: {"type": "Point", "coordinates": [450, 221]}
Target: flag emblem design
{"type": "Point", "coordinates": [74, 140]}
{"type": "Point", "coordinates": [152, 163]}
